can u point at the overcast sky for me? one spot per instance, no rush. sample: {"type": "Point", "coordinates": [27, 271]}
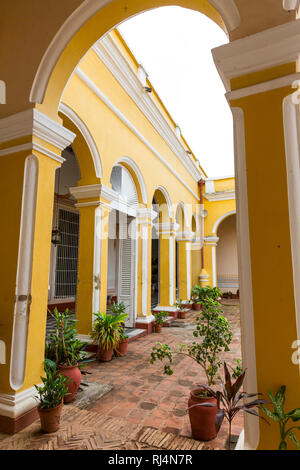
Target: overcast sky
{"type": "Point", "coordinates": [174, 45]}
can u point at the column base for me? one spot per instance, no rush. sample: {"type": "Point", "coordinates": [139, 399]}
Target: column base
{"type": "Point", "coordinates": [145, 323]}
{"type": "Point", "coordinates": [17, 411]}
{"type": "Point", "coordinates": [203, 278]}
{"type": "Point", "coordinates": [13, 425]}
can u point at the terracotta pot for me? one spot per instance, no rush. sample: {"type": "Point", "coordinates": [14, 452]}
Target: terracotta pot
{"type": "Point", "coordinates": [50, 418]}
{"type": "Point", "coordinates": [182, 315]}
{"type": "Point", "coordinates": [202, 418]}
{"type": "Point", "coordinates": [74, 374]}
{"type": "Point", "coordinates": [104, 355]}
{"type": "Point", "coordinates": [157, 328]}
{"type": "Point", "coordinates": [123, 346]}
{"type": "Point", "coordinates": [197, 306]}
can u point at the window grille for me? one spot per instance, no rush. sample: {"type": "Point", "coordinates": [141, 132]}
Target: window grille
{"type": "Point", "coordinates": [67, 255]}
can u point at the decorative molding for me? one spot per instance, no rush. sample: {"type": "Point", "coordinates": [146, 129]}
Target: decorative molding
{"type": "Point", "coordinates": [86, 192]}
{"type": "Point", "coordinates": [145, 215]}
{"type": "Point", "coordinates": [185, 236]}
{"type": "Point", "coordinates": [252, 431]}
{"type": "Point", "coordinates": [24, 274]}
{"type": "Point", "coordinates": [110, 54]}
{"type": "Point", "coordinates": [263, 87]}
{"type": "Point", "coordinates": [229, 13]}
{"type": "Point", "coordinates": [220, 195]}
{"type": "Point", "coordinates": [14, 405]}
{"type": "Point", "coordinates": [220, 219]}
{"type": "Point", "coordinates": [67, 111]}
{"type": "Point", "coordinates": [260, 51]}
{"type": "Point", "coordinates": [88, 82]}
{"type": "Point", "coordinates": [33, 122]}
{"type": "Point", "coordinates": [213, 241]}
{"type": "Point", "coordinates": [30, 146]}
{"type": "Point", "coordinates": [291, 122]}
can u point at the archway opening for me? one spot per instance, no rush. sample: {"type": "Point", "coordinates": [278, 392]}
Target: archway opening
{"type": "Point", "coordinates": [227, 257]}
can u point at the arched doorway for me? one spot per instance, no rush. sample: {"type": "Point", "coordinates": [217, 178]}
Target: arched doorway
{"type": "Point", "coordinates": [227, 256]}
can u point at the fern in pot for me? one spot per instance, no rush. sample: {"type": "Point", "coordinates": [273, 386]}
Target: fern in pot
{"type": "Point", "coordinates": [65, 349]}
{"type": "Point", "coordinates": [51, 393]}
{"type": "Point", "coordinates": [107, 333]}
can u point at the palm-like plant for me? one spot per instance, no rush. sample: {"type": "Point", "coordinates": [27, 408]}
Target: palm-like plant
{"type": "Point", "coordinates": [232, 400]}
{"type": "Point", "coordinates": [108, 330]}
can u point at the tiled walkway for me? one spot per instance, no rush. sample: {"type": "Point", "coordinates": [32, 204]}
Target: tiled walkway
{"type": "Point", "coordinates": [142, 400]}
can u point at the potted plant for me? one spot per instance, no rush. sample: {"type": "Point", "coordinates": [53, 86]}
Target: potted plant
{"type": "Point", "coordinates": [118, 308]}
{"type": "Point", "coordinates": [181, 310]}
{"type": "Point", "coordinates": [50, 396]}
{"type": "Point", "coordinates": [282, 418]}
{"type": "Point", "coordinates": [215, 336]}
{"type": "Point", "coordinates": [107, 333]}
{"type": "Point", "coordinates": [123, 345]}
{"type": "Point", "coordinates": [227, 402]}
{"type": "Point", "coordinates": [66, 350]}
{"type": "Point", "coordinates": [160, 318]}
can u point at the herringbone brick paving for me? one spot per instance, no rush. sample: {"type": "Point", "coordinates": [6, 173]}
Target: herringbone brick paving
{"type": "Point", "coordinates": [145, 410]}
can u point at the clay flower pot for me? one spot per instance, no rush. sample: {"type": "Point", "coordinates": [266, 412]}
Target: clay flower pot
{"type": "Point", "coordinates": [197, 306]}
{"type": "Point", "coordinates": [157, 328]}
{"type": "Point", "coordinates": [202, 418]}
{"type": "Point", "coordinates": [50, 418]}
{"type": "Point", "coordinates": [105, 355]}
{"type": "Point", "coordinates": [182, 314]}
{"type": "Point", "coordinates": [74, 374]}
{"type": "Point", "coordinates": [123, 346]}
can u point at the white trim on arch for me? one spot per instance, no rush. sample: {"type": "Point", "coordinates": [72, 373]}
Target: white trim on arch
{"type": "Point", "coordinates": [128, 161]}
{"type": "Point", "coordinates": [185, 215]}
{"type": "Point", "coordinates": [67, 111]}
{"type": "Point", "coordinates": [166, 195]}
{"type": "Point", "coordinates": [196, 217]}
{"type": "Point", "coordinates": [227, 9]}
{"type": "Point", "coordinates": [218, 222]}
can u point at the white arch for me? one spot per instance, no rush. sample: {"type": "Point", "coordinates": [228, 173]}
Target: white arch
{"type": "Point", "coordinates": [167, 198]}
{"type": "Point", "coordinates": [196, 217]}
{"type": "Point", "coordinates": [67, 111]}
{"type": "Point", "coordinates": [185, 214]}
{"type": "Point", "coordinates": [218, 222]}
{"type": "Point", "coordinates": [128, 161]}
{"type": "Point", "coordinates": [227, 9]}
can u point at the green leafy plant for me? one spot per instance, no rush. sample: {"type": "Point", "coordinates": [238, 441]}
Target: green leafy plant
{"type": "Point", "coordinates": [179, 304]}
{"type": "Point", "coordinates": [279, 416]}
{"type": "Point", "coordinates": [230, 400]}
{"type": "Point", "coordinates": [160, 317]}
{"type": "Point", "coordinates": [238, 369]}
{"type": "Point", "coordinates": [118, 308]}
{"type": "Point", "coordinates": [54, 387]}
{"type": "Point", "coordinates": [63, 346]}
{"type": "Point", "coordinates": [214, 333]}
{"type": "Point", "coordinates": [201, 294]}
{"type": "Point", "coordinates": [108, 330]}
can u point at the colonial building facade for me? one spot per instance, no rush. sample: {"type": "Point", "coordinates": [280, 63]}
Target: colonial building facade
{"type": "Point", "coordinates": [102, 197]}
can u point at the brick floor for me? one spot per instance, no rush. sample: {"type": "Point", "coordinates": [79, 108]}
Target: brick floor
{"type": "Point", "coordinates": [141, 398]}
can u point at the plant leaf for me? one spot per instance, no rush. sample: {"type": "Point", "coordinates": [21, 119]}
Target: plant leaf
{"type": "Point", "coordinates": [294, 439]}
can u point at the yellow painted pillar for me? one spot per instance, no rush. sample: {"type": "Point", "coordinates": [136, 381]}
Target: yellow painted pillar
{"type": "Point", "coordinates": [27, 168]}
{"type": "Point", "coordinates": [210, 245]}
{"type": "Point", "coordinates": [167, 266]}
{"type": "Point", "coordinates": [92, 255]}
{"type": "Point", "coordinates": [184, 269]}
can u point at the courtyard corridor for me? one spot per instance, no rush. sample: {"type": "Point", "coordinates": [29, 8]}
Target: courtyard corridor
{"type": "Point", "coordinates": [140, 408]}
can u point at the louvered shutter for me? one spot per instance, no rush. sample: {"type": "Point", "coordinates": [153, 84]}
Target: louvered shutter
{"type": "Point", "coordinates": [127, 271]}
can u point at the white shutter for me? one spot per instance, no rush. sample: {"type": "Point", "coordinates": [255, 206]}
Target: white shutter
{"type": "Point", "coordinates": [127, 271]}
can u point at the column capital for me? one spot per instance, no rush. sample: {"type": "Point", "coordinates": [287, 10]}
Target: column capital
{"type": "Point", "coordinates": [39, 130]}
{"type": "Point", "coordinates": [167, 228]}
{"type": "Point", "coordinates": [211, 241]}
{"type": "Point", "coordinates": [146, 215]}
{"type": "Point", "coordinates": [185, 236]}
{"type": "Point", "coordinates": [264, 50]}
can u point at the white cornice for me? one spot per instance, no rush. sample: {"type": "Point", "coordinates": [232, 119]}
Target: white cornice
{"type": "Point", "coordinates": [29, 147]}
{"type": "Point", "coordinates": [33, 122]}
{"type": "Point", "coordinates": [86, 192]}
{"type": "Point", "coordinates": [211, 241]}
{"type": "Point", "coordinates": [220, 196]}
{"type": "Point", "coordinates": [91, 85]}
{"type": "Point", "coordinates": [111, 56]}
{"type": "Point", "coordinates": [185, 236]}
{"type": "Point", "coordinates": [269, 48]}
{"type": "Point", "coordinates": [146, 214]}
